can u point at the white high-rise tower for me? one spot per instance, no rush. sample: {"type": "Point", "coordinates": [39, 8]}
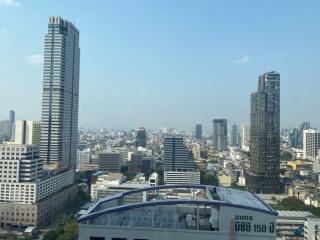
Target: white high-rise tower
{"type": "Point", "coordinates": [59, 123]}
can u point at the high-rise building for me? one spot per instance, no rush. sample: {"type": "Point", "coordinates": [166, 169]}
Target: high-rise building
{"type": "Point", "coordinates": [179, 168]}
{"type": "Point", "coordinates": [220, 134]}
{"type": "Point", "coordinates": [27, 132]}
{"type": "Point", "coordinates": [234, 135]}
{"type": "Point", "coordinates": [264, 174]}
{"type": "Point", "coordinates": [176, 155]}
{"type": "Point", "coordinates": [311, 143]}
{"type": "Point", "coordinates": [141, 137]}
{"type": "Point", "coordinates": [110, 161]}
{"type": "Point", "coordinates": [198, 131]}
{"type": "Point", "coordinates": [296, 136]}
{"type": "Point", "coordinates": [5, 127]}
{"type": "Point", "coordinates": [59, 125]}
{"type": "Point", "coordinates": [12, 117]}
{"type": "Point", "coordinates": [245, 137]}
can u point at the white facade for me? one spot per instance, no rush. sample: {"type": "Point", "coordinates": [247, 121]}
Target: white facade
{"type": "Point", "coordinates": [245, 137]}
{"type": "Point", "coordinates": [312, 229]}
{"type": "Point", "coordinates": [311, 143]}
{"type": "Point", "coordinates": [27, 132]}
{"type": "Point", "coordinates": [182, 177]}
{"type": "Point", "coordinates": [83, 157]}
{"type": "Point", "coordinates": [196, 150]}
{"type": "Point", "coordinates": [20, 163]}
{"type": "Point", "coordinates": [55, 183]}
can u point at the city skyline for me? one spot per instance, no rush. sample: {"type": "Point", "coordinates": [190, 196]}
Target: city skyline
{"type": "Point", "coordinates": [110, 76]}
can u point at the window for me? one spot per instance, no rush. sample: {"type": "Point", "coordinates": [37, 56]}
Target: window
{"type": "Point", "coordinates": [97, 238]}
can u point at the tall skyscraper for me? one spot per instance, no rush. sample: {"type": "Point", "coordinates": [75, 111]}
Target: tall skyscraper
{"type": "Point", "coordinates": [198, 131]}
{"type": "Point", "coordinates": [27, 132]}
{"type": "Point", "coordinates": [264, 174]}
{"type": "Point", "coordinates": [141, 137]}
{"type": "Point", "coordinates": [12, 119]}
{"type": "Point", "coordinates": [234, 135]}
{"type": "Point", "coordinates": [311, 144]}
{"type": "Point", "coordinates": [220, 134]}
{"type": "Point", "coordinates": [59, 129]}
{"type": "Point", "coordinates": [179, 167]}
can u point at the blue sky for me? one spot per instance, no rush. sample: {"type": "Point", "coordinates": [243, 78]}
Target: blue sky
{"type": "Point", "coordinates": [167, 63]}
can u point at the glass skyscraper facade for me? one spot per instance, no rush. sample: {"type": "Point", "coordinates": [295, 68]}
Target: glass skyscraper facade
{"type": "Point", "coordinates": [220, 134]}
{"type": "Point", "coordinates": [59, 129]}
{"type": "Point", "coordinates": [264, 175]}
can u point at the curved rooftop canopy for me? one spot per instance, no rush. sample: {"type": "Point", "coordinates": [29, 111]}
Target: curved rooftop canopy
{"type": "Point", "coordinates": [176, 194]}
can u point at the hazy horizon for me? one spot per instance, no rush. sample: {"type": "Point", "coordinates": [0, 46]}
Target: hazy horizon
{"type": "Point", "coordinates": [166, 63]}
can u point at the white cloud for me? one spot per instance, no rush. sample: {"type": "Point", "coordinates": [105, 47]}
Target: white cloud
{"type": "Point", "coordinates": [243, 60]}
{"type": "Point", "coordinates": [35, 59]}
{"type": "Point", "coordinates": [10, 3]}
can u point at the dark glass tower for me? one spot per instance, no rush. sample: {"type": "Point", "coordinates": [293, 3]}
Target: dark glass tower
{"type": "Point", "coordinates": [59, 124]}
{"type": "Point", "coordinates": [264, 174]}
{"type": "Point", "coordinates": [198, 131]}
{"type": "Point", "coordinates": [220, 134]}
{"type": "Point", "coordinates": [176, 155]}
{"type": "Point", "coordinates": [12, 119]}
{"type": "Point", "coordinates": [141, 137]}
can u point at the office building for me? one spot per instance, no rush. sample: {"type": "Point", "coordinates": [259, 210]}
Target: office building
{"type": "Point", "coordinates": [5, 127]}
{"type": "Point", "coordinates": [311, 144]}
{"type": "Point", "coordinates": [296, 136]}
{"type": "Point", "coordinates": [198, 131]}
{"type": "Point", "coordinates": [264, 174]}
{"type": "Point", "coordinates": [220, 134]}
{"type": "Point", "coordinates": [83, 157]}
{"type": "Point", "coordinates": [196, 151]}
{"type": "Point", "coordinates": [245, 137]}
{"type": "Point", "coordinates": [59, 124]}
{"type": "Point", "coordinates": [234, 135]}
{"type": "Point", "coordinates": [27, 132]}
{"type": "Point", "coordinates": [176, 155]}
{"type": "Point", "coordinates": [12, 117]}
{"type": "Point", "coordinates": [141, 137]}
{"type": "Point", "coordinates": [179, 168]}
{"type": "Point", "coordinates": [179, 212]}
{"type": "Point", "coordinates": [29, 195]}
{"type": "Point", "coordinates": [110, 161]}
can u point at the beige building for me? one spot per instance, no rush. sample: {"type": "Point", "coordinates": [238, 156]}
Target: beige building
{"type": "Point", "coordinates": [37, 214]}
{"type": "Point", "coordinates": [27, 132]}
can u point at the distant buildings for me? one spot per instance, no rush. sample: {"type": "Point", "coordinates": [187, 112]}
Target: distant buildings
{"type": "Point", "coordinates": [178, 165]}
{"type": "Point", "coordinates": [198, 131]}
{"type": "Point", "coordinates": [311, 144]}
{"type": "Point", "coordinates": [83, 157]}
{"type": "Point", "coordinates": [59, 130]}
{"type": "Point", "coordinates": [264, 175]}
{"type": "Point", "coordinates": [110, 161]}
{"type": "Point", "coordinates": [296, 136]}
{"type": "Point", "coordinates": [5, 128]}
{"type": "Point", "coordinates": [27, 132]}
{"type": "Point", "coordinates": [220, 134]}
{"type": "Point", "coordinates": [245, 137]}
{"type": "Point", "coordinates": [12, 118]}
{"type": "Point", "coordinates": [234, 135]}
{"type": "Point", "coordinates": [141, 137]}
